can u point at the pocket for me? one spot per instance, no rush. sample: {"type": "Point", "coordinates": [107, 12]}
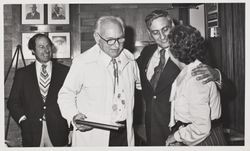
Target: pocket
{"type": "Point", "coordinates": [24, 125]}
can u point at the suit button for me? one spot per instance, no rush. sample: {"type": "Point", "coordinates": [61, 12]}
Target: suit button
{"type": "Point", "coordinates": [154, 97]}
{"type": "Point", "coordinates": [40, 119]}
{"type": "Point", "coordinates": [44, 107]}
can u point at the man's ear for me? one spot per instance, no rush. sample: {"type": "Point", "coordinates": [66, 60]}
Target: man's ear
{"type": "Point", "coordinates": [96, 37]}
{"type": "Point", "coordinates": [149, 34]}
{"type": "Point", "coordinates": [33, 52]}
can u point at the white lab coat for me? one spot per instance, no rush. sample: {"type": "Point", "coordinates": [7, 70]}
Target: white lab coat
{"type": "Point", "coordinates": [86, 90]}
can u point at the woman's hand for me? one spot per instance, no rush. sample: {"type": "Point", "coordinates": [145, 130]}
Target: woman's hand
{"type": "Point", "coordinates": [170, 140]}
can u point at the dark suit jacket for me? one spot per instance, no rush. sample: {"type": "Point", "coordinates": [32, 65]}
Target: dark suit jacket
{"type": "Point", "coordinates": [54, 16]}
{"type": "Point", "coordinates": [35, 16]}
{"type": "Point", "coordinates": [25, 99]}
{"type": "Point", "coordinates": [157, 101]}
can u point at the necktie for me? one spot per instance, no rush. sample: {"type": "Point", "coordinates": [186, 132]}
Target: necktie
{"type": "Point", "coordinates": [116, 78]}
{"type": "Point", "coordinates": [44, 82]}
{"type": "Point", "coordinates": [119, 105]}
{"type": "Point", "coordinates": [158, 69]}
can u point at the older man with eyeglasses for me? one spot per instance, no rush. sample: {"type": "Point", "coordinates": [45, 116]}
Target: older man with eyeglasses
{"type": "Point", "coordinates": [100, 87]}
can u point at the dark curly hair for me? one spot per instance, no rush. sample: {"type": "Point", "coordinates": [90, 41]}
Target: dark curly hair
{"type": "Point", "coordinates": [186, 44]}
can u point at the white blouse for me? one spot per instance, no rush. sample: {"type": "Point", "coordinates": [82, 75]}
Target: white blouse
{"type": "Point", "coordinates": [195, 103]}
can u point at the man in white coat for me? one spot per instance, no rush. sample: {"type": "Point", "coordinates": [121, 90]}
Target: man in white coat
{"type": "Point", "coordinates": [100, 87]}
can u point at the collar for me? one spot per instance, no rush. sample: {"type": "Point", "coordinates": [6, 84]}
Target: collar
{"type": "Point", "coordinates": [122, 59]}
{"type": "Point", "coordinates": [39, 65]}
{"type": "Point", "coordinates": [186, 71]}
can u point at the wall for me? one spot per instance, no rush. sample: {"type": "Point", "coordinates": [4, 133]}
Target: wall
{"type": "Point", "coordinates": [197, 18]}
{"type": "Point", "coordinates": [233, 58]}
{"type": "Point", "coordinates": [133, 15]}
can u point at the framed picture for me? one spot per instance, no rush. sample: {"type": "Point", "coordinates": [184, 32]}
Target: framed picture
{"type": "Point", "coordinates": [32, 14]}
{"type": "Point", "coordinates": [212, 7]}
{"type": "Point", "coordinates": [26, 51]}
{"type": "Point", "coordinates": [58, 14]}
{"type": "Point", "coordinates": [61, 42]}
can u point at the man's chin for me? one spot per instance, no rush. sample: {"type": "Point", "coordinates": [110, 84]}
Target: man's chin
{"type": "Point", "coordinates": [164, 46]}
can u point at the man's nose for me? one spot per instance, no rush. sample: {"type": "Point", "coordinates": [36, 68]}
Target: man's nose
{"type": "Point", "coordinates": [116, 44]}
{"type": "Point", "coordinates": [162, 35]}
{"type": "Point", "coordinates": [47, 50]}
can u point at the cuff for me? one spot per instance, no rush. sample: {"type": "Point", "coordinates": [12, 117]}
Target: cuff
{"type": "Point", "coordinates": [177, 136]}
{"type": "Point", "coordinates": [22, 119]}
{"type": "Point", "coordinates": [219, 82]}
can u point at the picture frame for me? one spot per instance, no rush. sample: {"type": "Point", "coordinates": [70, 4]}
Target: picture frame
{"type": "Point", "coordinates": [27, 53]}
{"type": "Point", "coordinates": [61, 41]}
{"type": "Point", "coordinates": [58, 13]}
{"type": "Point", "coordinates": [32, 13]}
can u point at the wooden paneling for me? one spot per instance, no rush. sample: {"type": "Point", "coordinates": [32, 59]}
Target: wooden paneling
{"type": "Point", "coordinates": [232, 21]}
{"type": "Point", "coordinates": [133, 15]}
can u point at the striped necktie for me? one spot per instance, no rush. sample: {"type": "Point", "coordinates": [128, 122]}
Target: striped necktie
{"type": "Point", "coordinates": [158, 69]}
{"type": "Point", "coordinates": [44, 82]}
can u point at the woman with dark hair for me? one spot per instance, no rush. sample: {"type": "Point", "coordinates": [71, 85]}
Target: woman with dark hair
{"type": "Point", "coordinates": [195, 107]}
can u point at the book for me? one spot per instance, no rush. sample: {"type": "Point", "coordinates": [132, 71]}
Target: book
{"type": "Point", "coordinates": [105, 126]}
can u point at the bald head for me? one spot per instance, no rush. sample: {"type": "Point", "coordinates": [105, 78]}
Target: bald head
{"type": "Point", "coordinates": [106, 21]}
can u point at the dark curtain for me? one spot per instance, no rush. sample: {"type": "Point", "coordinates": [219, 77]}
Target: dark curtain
{"type": "Point", "coordinates": [232, 23]}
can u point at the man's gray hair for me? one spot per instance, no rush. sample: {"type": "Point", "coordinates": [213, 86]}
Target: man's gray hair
{"type": "Point", "coordinates": [104, 19]}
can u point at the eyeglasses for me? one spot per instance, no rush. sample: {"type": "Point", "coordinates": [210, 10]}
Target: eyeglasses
{"type": "Point", "coordinates": [112, 41]}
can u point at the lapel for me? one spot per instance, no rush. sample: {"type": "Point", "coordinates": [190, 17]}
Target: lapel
{"type": "Point", "coordinates": [145, 61]}
{"type": "Point", "coordinates": [53, 80]}
{"type": "Point", "coordinates": [168, 75]}
{"type": "Point", "coordinates": [33, 82]}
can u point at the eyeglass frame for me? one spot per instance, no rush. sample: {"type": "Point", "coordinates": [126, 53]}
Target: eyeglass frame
{"type": "Point", "coordinates": [115, 40]}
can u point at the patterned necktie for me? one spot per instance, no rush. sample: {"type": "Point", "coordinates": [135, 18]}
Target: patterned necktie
{"type": "Point", "coordinates": [158, 69]}
{"type": "Point", "coordinates": [44, 82]}
{"type": "Point", "coordinates": [116, 78]}
{"type": "Point", "coordinates": [119, 103]}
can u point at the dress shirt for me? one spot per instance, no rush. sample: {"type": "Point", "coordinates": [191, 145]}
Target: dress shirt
{"type": "Point", "coordinates": [38, 70]}
{"type": "Point", "coordinates": [195, 103]}
{"type": "Point", "coordinates": [154, 61]}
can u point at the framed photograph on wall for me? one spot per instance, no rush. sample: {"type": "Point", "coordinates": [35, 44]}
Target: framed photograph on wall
{"type": "Point", "coordinates": [32, 14]}
{"type": "Point", "coordinates": [58, 13]}
{"type": "Point", "coordinates": [61, 42]}
{"type": "Point", "coordinates": [25, 40]}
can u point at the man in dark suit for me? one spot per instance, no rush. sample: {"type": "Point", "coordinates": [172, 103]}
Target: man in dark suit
{"type": "Point", "coordinates": [33, 98]}
{"type": "Point", "coordinates": [158, 73]}
{"type": "Point", "coordinates": [57, 13]}
{"type": "Point", "coordinates": [34, 14]}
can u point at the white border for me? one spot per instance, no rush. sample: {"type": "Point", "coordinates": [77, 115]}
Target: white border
{"type": "Point", "coordinates": [40, 9]}
{"type": "Point", "coordinates": [59, 21]}
{"type": "Point", "coordinates": [61, 52]}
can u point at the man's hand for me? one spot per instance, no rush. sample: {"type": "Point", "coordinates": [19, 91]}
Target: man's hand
{"type": "Point", "coordinates": [70, 138]}
{"type": "Point", "coordinates": [82, 128]}
{"type": "Point", "coordinates": [206, 73]}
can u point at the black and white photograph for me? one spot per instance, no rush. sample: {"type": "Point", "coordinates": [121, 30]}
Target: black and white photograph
{"type": "Point", "coordinates": [58, 14]}
{"type": "Point", "coordinates": [125, 76]}
{"type": "Point", "coordinates": [32, 14]}
{"type": "Point", "coordinates": [27, 53]}
{"type": "Point", "coordinates": [61, 42]}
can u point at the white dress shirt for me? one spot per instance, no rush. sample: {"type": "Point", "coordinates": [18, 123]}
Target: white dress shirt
{"type": "Point", "coordinates": [195, 103]}
{"type": "Point", "coordinates": [39, 69]}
